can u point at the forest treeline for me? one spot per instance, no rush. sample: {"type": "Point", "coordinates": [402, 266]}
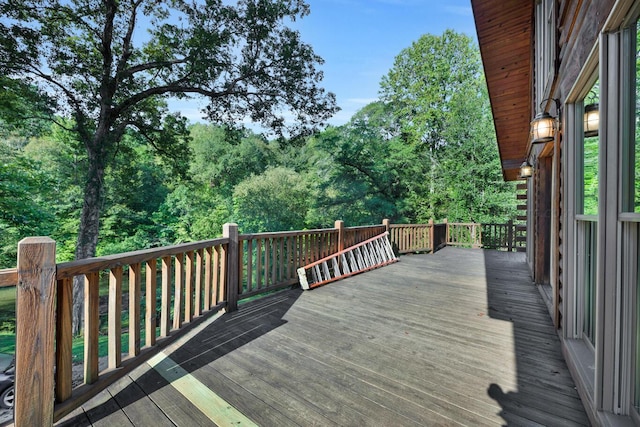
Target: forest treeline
{"type": "Point", "coordinates": [425, 150]}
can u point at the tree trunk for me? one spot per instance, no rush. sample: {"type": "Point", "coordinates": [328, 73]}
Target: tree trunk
{"type": "Point", "coordinates": [89, 228]}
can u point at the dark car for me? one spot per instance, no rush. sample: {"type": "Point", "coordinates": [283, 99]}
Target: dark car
{"type": "Point", "coordinates": [7, 380]}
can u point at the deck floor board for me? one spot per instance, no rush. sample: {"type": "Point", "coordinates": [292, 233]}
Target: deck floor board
{"type": "Point", "coordinates": [459, 337]}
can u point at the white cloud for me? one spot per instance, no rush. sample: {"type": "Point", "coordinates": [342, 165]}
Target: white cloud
{"type": "Point", "coordinates": [460, 10]}
{"type": "Point", "coordinates": [361, 101]}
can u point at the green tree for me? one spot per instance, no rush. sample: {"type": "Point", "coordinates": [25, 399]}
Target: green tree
{"type": "Point", "coordinates": [437, 94]}
{"type": "Point", "coordinates": [426, 79]}
{"type": "Point", "coordinates": [23, 212]}
{"type": "Point", "coordinates": [363, 170]}
{"type": "Point", "coordinates": [241, 57]}
{"type": "Point", "coordinates": [276, 200]}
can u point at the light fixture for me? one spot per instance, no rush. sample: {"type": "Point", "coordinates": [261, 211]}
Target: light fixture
{"type": "Point", "coordinates": [544, 126]}
{"type": "Point", "coordinates": [526, 170]}
{"type": "Point", "coordinates": [591, 119]}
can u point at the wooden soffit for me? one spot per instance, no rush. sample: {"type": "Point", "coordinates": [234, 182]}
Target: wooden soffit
{"type": "Point", "coordinates": [505, 30]}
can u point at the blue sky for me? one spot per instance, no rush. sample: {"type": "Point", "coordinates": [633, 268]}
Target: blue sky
{"type": "Point", "coordinates": [359, 40]}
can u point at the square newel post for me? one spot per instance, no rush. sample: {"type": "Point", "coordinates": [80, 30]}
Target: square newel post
{"type": "Point", "coordinates": [448, 235]}
{"type": "Point", "coordinates": [387, 224]}
{"type": "Point", "coordinates": [339, 225]}
{"type": "Point", "coordinates": [35, 332]}
{"type": "Point", "coordinates": [432, 239]}
{"type": "Point", "coordinates": [230, 231]}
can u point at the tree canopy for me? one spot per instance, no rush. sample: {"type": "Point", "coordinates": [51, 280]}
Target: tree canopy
{"type": "Point", "coordinates": [425, 150]}
{"type": "Point", "coordinates": [109, 67]}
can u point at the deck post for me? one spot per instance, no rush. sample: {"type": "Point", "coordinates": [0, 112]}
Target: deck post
{"type": "Point", "coordinates": [230, 231]}
{"type": "Point", "coordinates": [35, 332]}
{"type": "Point", "coordinates": [387, 224]}
{"type": "Point", "coordinates": [510, 236]}
{"type": "Point", "coordinates": [432, 229]}
{"type": "Point", "coordinates": [339, 224]}
{"type": "Point", "coordinates": [446, 223]}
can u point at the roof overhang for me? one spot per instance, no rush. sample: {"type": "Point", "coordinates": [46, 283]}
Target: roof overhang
{"type": "Point", "coordinates": [505, 30]}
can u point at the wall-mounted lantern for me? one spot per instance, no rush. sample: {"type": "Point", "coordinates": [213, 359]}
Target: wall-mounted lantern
{"type": "Point", "coordinates": [544, 126]}
{"type": "Point", "coordinates": [526, 170]}
{"type": "Point", "coordinates": [591, 119]}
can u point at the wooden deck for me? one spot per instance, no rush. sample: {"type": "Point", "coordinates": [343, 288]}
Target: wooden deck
{"type": "Point", "coordinates": [460, 337]}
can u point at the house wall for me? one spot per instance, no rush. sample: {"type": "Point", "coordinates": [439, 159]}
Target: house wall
{"type": "Point", "coordinates": [590, 39]}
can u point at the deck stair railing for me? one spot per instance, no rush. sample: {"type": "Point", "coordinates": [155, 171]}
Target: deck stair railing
{"type": "Point", "coordinates": [162, 292]}
{"type": "Point", "coordinates": [372, 253]}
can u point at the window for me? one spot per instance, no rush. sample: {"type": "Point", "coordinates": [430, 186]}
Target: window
{"type": "Point", "coordinates": [545, 46]}
{"type": "Point", "coordinates": [588, 192]}
{"type": "Point", "coordinates": [587, 152]}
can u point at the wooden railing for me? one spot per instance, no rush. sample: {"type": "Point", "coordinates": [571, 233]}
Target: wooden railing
{"type": "Point", "coordinates": [167, 291]}
{"type": "Point", "coordinates": [464, 234]}
{"type": "Point", "coordinates": [269, 261]}
{"type": "Point", "coordinates": [407, 238]}
{"type": "Point", "coordinates": [509, 236]}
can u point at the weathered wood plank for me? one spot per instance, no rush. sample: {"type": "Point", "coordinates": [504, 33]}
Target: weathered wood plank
{"type": "Point", "coordinates": [165, 297]}
{"type": "Point", "coordinates": [91, 326]}
{"type": "Point", "coordinates": [188, 298]}
{"type": "Point", "coordinates": [115, 317]}
{"type": "Point", "coordinates": [35, 322]}
{"type": "Point", "coordinates": [134, 310]}
{"type": "Point", "coordinates": [64, 340]}
{"type": "Point", "coordinates": [198, 291]}
{"type": "Point", "coordinates": [150, 303]}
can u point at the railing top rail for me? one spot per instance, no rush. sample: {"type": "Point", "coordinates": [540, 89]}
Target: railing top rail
{"type": "Point", "coordinates": [364, 227]}
{"type": "Point", "coordinates": [409, 225]}
{"type": "Point", "coordinates": [294, 233]}
{"type": "Point", "coordinates": [8, 277]}
{"type": "Point", "coordinates": [88, 265]}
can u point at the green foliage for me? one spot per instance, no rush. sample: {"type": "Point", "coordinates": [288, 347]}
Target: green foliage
{"type": "Point", "coordinates": [276, 200]}
{"type": "Point", "coordinates": [426, 150]}
{"type": "Point", "coordinates": [23, 210]}
{"type": "Point", "coordinates": [437, 94]}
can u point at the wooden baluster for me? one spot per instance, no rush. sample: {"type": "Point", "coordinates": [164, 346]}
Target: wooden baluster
{"type": "Point", "coordinates": [207, 278]}
{"type": "Point", "coordinates": [198, 291]}
{"type": "Point", "coordinates": [115, 318]}
{"type": "Point", "coordinates": [150, 296]}
{"type": "Point", "coordinates": [230, 231]}
{"type": "Point", "coordinates": [134, 310]}
{"type": "Point", "coordinates": [216, 275]}
{"type": "Point", "coordinates": [267, 261]}
{"type": "Point", "coordinates": [91, 326]}
{"type": "Point", "coordinates": [178, 286]}
{"type": "Point", "coordinates": [281, 260]}
{"type": "Point", "coordinates": [222, 249]}
{"type": "Point", "coordinates": [165, 298]}
{"type": "Point", "coordinates": [188, 297]}
{"type": "Point", "coordinates": [64, 339]}
{"type": "Point", "coordinates": [240, 268]}
{"type": "Point", "coordinates": [259, 263]}
{"type": "Point", "coordinates": [249, 265]}
{"type": "Point", "coordinates": [274, 260]}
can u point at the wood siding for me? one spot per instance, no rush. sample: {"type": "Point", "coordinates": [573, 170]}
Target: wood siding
{"type": "Point", "coordinates": [504, 33]}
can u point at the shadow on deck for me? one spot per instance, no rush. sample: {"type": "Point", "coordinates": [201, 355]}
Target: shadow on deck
{"type": "Point", "coordinates": [457, 337]}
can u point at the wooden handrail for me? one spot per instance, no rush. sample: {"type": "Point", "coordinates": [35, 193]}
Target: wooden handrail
{"type": "Point", "coordinates": [8, 277]}
{"type": "Point", "coordinates": [88, 265]}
